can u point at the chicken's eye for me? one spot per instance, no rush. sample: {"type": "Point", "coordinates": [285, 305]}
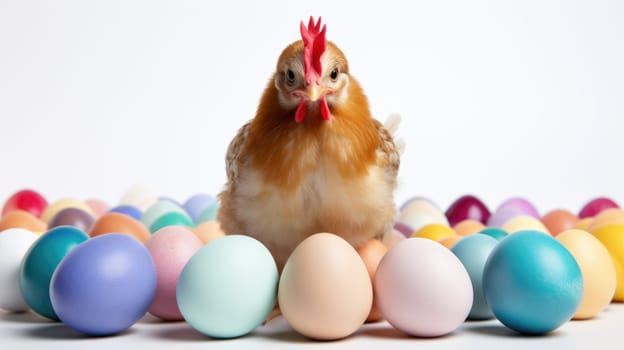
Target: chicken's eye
{"type": "Point", "coordinates": [290, 76]}
{"type": "Point", "coordinates": [334, 74]}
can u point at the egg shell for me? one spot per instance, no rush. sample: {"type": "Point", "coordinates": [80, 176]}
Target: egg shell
{"type": "Point", "coordinates": [208, 231]}
{"type": "Point", "coordinates": [22, 219]}
{"type": "Point", "coordinates": [494, 232]}
{"type": "Point", "coordinates": [523, 223]}
{"type": "Point", "coordinates": [512, 208]}
{"type": "Point", "coordinates": [418, 203]}
{"type": "Point", "coordinates": [171, 219]}
{"type": "Point", "coordinates": [595, 206]}
{"type": "Point", "coordinates": [119, 223]}
{"type": "Point", "coordinates": [325, 291]}
{"type": "Point", "coordinates": [27, 200]}
{"type": "Point", "coordinates": [450, 241]}
{"type": "Point", "coordinates": [393, 239]}
{"type": "Point", "coordinates": [228, 287]}
{"type": "Point", "coordinates": [196, 204]}
{"type": "Point", "coordinates": [611, 216]}
{"type": "Point", "coordinates": [14, 243]}
{"type": "Point", "coordinates": [159, 209]}
{"type": "Point", "coordinates": [171, 248]}
{"type": "Point", "coordinates": [468, 227]}
{"type": "Point", "coordinates": [434, 232]}
{"type": "Point", "coordinates": [532, 283]}
{"type": "Point", "coordinates": [597, 268]}
{"type": "Point", "coordinates": [61, 204]}
{"type": "Point", "coordinates": [404, 228]}
{"type": "Point", "coordinates": [371, 253]}
{"type": "Point", "coordinates": [75, 217]}
{"type": "Point", "coordinates": [612, 237]}
{"type": "Point", "coordinates": [559, 220]}
{"type": "Point", "coordinates": [420, 212]}
{"type": "Point", "coordinates": [209, 213]}
{"type": "Point", "coordinates": [583, 224]}
{"type": "Point", "coordinates": [40, 262]}
{"type": "Point", "coordinates": [139, 196]}
{"type": "Point", "coordinates": [129, 210]}
{"type": "Point", "coordinates": [467, 207]}
{"type": "Point", "coordinates": [98, 207]}
{"type": "Point", "coordinates": [473, 252]}
{"type": "Point", "coordinates": [422, 289]}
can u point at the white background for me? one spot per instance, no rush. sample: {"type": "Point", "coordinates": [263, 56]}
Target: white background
{"type": "Point", "coordinates": [498, 98]}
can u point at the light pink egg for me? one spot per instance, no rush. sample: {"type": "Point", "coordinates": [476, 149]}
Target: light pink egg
{"type": "Point", "coordinates": [98, 206]}
{"type": "Point", "coordinates": [171, 248]}
{"type": "Point", "coordinates": [422, 288]}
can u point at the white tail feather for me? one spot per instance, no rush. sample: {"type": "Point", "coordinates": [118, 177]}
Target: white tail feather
{"type": "Point", "coordinates": [392, 125]}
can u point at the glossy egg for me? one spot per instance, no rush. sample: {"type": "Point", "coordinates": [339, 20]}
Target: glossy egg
{"type": "Point", "coordinates": [228, 288]}
{"type": "Point", "coordinates": [532, 283]}
{"type": "Point", "coordinates": [27, 200]}
{"type": "Point", "coordinates": [467, 207]}
{"type": "Point", "coordinates": [40, 262]}
{"type": "Point", "coordinates": [159, 209]}
{"type": "Point", "coordinates": [171, 248]}
{"type": "Point", "coordinates": [496, 233]}
{"type": "Point", "coordinates": [468, 227]}
{"type": "Point", "coordinates": [22, 219]}
{"type": "Point", "coordinates": [597, 268]}
{"type": "Point", "coordinates": [595, 206]}
{"type": "Point", "coordinates": [523, 223]}
{"type": "Point", "coordinates": [612, 237]}
{"type": "Point", "coordinates": [61, 204]}
{"type": "Point", "coordinates": [14, 243]}
{"type": "Point", "coordinates": [119, 223]}
{"type": "Point", "coordinates": [171, 219]}
{"type": "Point", "coordinates": [371, 253]}
{"type": "Point", "coordinates": [196, 204]}
{"type": "Point", "coordinates": [103, 286]}
{"type": "Point", "coordinates": [208, 231]}
{"type": "Point", "coordinates": [422, 289]}
{"type": "Point", "coordinates": [129, 210]}
{"type": "Point", "coordinates": [75, 217]}
{"type": "Point", "coordinates": [325, 290]}
{"type": "Point", "coordinates": [559, 220]}
{"type": "Point", "coordinates": [434, 232]}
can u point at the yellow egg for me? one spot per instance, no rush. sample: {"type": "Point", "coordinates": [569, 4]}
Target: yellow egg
{"type": "Point", "coordinates": [521, 223]}
{"type": "Point", "coordinates": [583, 224]}
{"type": "Point", "coordinates": [434, 232]}
{"type": "Point", "coordinates": [612, 236]}
{"type": "Point", "coordinates": [468, 227]}
{"type": "Point", "coordinates": [61, 204]}
{"type": "Point", "coordinates": [607, 217]}
{"type": "Point", "coordinates": [597, 268]}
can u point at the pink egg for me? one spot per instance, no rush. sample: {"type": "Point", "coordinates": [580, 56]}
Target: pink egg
{"type": "Point", "coordinates": [98, 206]}
{"type": "Point", "coordinates": [596, 206]}
{"type": "Point", "coordinates": [171, 248]}
{"type": "Point", "coordinates": [422, 288]}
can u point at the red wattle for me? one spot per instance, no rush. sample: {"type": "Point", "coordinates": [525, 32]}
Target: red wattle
{"type": "Point", "coordinates": [325, 109]}
{"type": "Point", "coordinates": [301, 112]}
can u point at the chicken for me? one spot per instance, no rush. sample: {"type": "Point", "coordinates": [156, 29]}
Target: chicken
{"type": "Point", "coordinates": [312, 159]}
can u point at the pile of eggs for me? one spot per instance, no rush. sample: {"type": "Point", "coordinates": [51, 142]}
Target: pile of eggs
{"type": "Point", "coordinates": [99, 269]}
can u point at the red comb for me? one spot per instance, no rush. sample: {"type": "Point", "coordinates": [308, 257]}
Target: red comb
{"type": "Point", "coordinates": [314, 45]}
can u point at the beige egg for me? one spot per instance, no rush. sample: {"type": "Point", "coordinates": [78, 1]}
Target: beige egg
{"type": "Point", "coordinates": [371, 253]}
{"type": "Point", "coordinates": [393, 238]}
{"type": "Point", "coordinates": [468, 227]}
{"type": "Point", "coordinates": [325, 291]}
{"type": "Point", "coordinates": [597, 268]}
{"type": "Point", "coordinates": [521, 223]}
{"type": "Point", "coordinates": [208, 231]}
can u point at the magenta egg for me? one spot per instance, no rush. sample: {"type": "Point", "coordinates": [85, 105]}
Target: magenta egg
{"type": "Point", "coordinates": [467, 207]}
{"type": "Point", "coordinates": [595, 206]}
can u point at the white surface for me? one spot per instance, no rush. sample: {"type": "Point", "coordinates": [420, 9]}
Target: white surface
{"type": "Point", "coordinates": [499, 98]}
{"type": "Point", "coordinates": [30, 331]}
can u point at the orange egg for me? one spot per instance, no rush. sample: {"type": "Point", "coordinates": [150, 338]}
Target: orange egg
{"type": "Point", "coordinates": [583, 224]}
{"type": "Point", "coordinates": [434, 232]}
{"type": "Point", "coordinates": [450, 241]}
{"type": "Point", "coordinates": [468, 227]}
{"type": "Point", "coordinates": [559, 220]}
{"type": "Point", "coordinates": [208, 231]}
{"type": "Point", "coordinates": [119, 223]}
{"type": "Point", "coordinates": [371, 253]}
{"type": "Point", "coordinates": [612, 216]}
{"type": "Point", "coordinates": [22, 219]}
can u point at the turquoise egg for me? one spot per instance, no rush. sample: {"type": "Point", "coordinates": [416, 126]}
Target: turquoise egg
{"type": "Point", "coordinates": [40, 262]}
{"type": "Point", "coordinates": [158, 209]}
{"type": "Point", "coordinates": [210, 213]}
{"type": "Point", "coordinates": [229, 287]}
{"type": "Point", "coordinates": [171, 219]}
{"type": "Point", "coordinates": [532, 283]}
{"type": "Point", "coordinates": [494, 232]}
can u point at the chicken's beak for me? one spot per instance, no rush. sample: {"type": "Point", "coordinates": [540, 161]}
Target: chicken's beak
{"type": "Point", "coordinates": [313, 92]}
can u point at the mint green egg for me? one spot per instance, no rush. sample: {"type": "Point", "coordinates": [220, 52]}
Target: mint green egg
{"type": "Point", "coordinates": [159, 209]}
{"type": "Point", "coordinates": [210, 213]}
{"type": "Point", "coordinates": [171, 219]}
{"type": "Point", "coordinates": [229, 287]}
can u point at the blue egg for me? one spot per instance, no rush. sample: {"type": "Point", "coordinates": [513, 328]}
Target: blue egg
{"type": "Point", "coordinates": [129, 210]}
{"type": "Point", "coordinates": [229, 287]}
{"type": "Point", "coordinates": [532, 283]}
{"type": "Point", "coordinates": [104, 285]}
{"type": "Point", "coordinates": [196, 204]}
{"type": "Point", "coordinates": [209, 213]}
{"type": "Point", "coordinates": [473, 252]}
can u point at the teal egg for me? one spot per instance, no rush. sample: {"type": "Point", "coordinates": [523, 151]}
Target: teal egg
{"type": "Point", "coordinates": [473, 252]}
{"type": "Point", "coordinates": [171, 219]}
{"type": "Point", "coordinates": [494, 232]}
{"type": "Point", "coordinates": [158, 209]}
{"type": "Point", "coordinates": [229, 287]}
{"type": "Point", "coordinates": [40, 262]}
{"type": "Point", "coordinates": [210, 213]}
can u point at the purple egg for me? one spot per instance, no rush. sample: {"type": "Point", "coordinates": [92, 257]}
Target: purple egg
{"type": "Point", "coordinates": [196, 204]}
{"type": "Point", "coordinates": [404, 228]}
{"type": "Point", "coordinates": [511, 208]}
{"type": "Point", "coordinates": [128, 210]}
{"type": "Point", "coordinates": [467, 207]}
{"type": "Point", "coordinates": [595, 206]}
{"type": "Point", "coordinates": [170, 199]}
{"type": "Point", "coordinates": [75, 217]}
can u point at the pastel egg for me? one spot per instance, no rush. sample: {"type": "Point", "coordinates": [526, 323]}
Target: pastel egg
{"type": "Point", "coordinates": [119, 223]}
{"type": "Point", "coordinates": [325, 290]}
{"type": "Point", "coordinates": [196, 204]}
{"type": "Point", "coordinates": [612, 237]}
{"type": "Point", "coordinates": [371, 253]}
{"type": "Point", "coordinates": [467, 207]}
{"type": "Point", "coordinates": [450, 241]}
{"type": "Point", "coordinates": [27, 200]}
{"type": "Point", "coordinates": [559, 220]}
{"type": "Point", "coordinates": [434, 232]}
{"type": "Point", "coordinates": [171, 248]}
{"type": "Point", "coordinates": [393, 238]}
{"type": "Point", "coordinates": [61, 204]}
{"type": "Point", "coordinates": [208, 231]}
{"type": "Point", "coordinates": [98, 207]}
{"type": "Point", "coordinates": [139, 196]}
{"type": "Point", "coordinates": [22, 219]}
{"type": "Point", "coordinates": [104, 286]}
{"type": "Point", "coordinates": [419, 212]}
{"type": "Point", "coordinates": [611, 216]}
{"type": "Point", "coordinates": [171, 219]}
{"type": "Point", "coordinates": [209, 213]}
{"type": "Point", "coordinates": [129, 210]}
{"type": "Point", "coordinates": [404, 228]}
{"type": "Point", "coordinates": [583, 224]}
{"type": "Point", "coordinates": [597, 268]}
{"type": "Point", "coordinates": [14, 243]}
{"type": "Point", "coordinates": [523, 223]}
{"type": "Point", "coordinates": [75, 217]}
{"type": "Point", "coordinates": [595, 206]}
{"type": "Point", "coordinates": [159, 209]}
{"type": "Point", "coordinates": [418, 203]}
{"type": "Point", "coordinates": [532, 283]}
{"type": "Point", "coordinates": [227, 289]}
{"type": "Point", "coordinates": [494, 232]}
{"type": "Point", "coordinates": [468, 227]}
{"type": "Point", "coordinates": [422, 289]}
{"type": "Point", "coordinates": [511, 208]}
{"type": "Point", "coordinates": [40, 262]}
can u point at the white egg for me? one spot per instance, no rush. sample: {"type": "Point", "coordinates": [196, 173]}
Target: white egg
{"type": "Point", "coordinates": [14, 243]}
